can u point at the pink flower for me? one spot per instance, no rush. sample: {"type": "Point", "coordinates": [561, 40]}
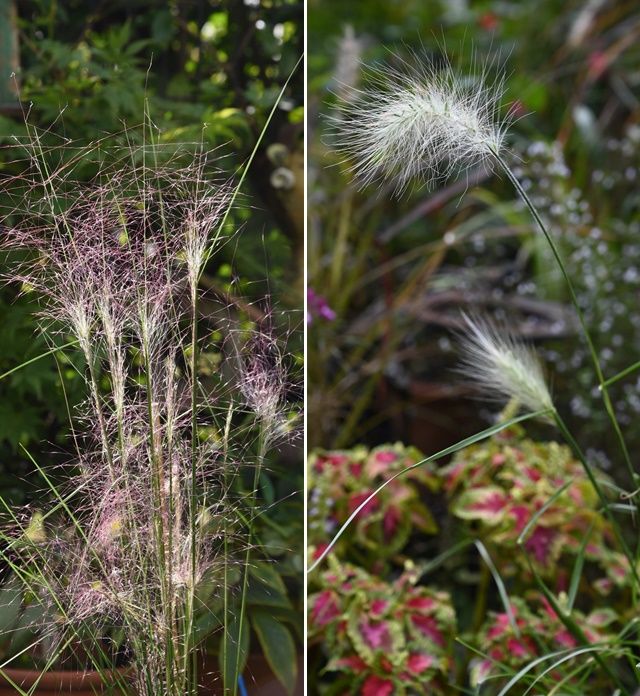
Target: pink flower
{"type": "Point", "coordinates": [375, 686]}
{"type": "Point", "coordinates": [318, 307]}
{"type": "Point", "coordinates": [333, 459]}
{"type": "Point", "coordinates": [565, 639]}
{"type": "Point", "coordinates": [500, 626]}
{"type": "Point", "coordinates": [539, 543]}
{"type": "Point", "coordinates": [386, 457]}
{"type": "Point", "coordinates": [356, 469]}
{"type": "Point", "coordinates": [378, 606]}
{"type": "Point", "coordinates": [522, 514]}
{"type": "Point", "coordinates": [358, 498]}
{"type": "Point", "coordinates": [420, 603]}
{"type": "Point", "coordinates": [494, 502]}
{"type": "Point", "coordinates": [520, 648]}
{"type": "Point", "coordinates": [353, 662]}
{"type": "Point", "coordinates": [321, 548]}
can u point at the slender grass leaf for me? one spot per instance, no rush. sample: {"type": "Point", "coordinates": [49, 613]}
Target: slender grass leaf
{"type": "Point", "coordinates": [576, 575]}
{"type": "Point", "coordinates": [534, 518]}
{"type": "Point", "coordinates": [502, 590]}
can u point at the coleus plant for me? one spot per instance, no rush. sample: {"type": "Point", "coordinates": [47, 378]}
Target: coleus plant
{"type": "Point", "coordinates": [382, 637]}
{"type": "Point", "coordinates": [339, 481]}
{"type": "Point", "coordinates": [532, 636]}
{"type": "Point", "coordinates": [533, 503]}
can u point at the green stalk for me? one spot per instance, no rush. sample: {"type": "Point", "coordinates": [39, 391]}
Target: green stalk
{"type": "Point", "coordinates": [262, 450]}
{"type": "Point", "coordinates": [38, 357]}
{"type": "Point", "coordinates": [574, 301]}
{"type": "Point", "coordinates": [225, 590]}
{"type": "Point", "coordinates": [566, 433]}
{"type": "Point", "coordinates": [574, 628]}
{"type": "Point", "coordinates": [193, 508]}
{"type": "Point", "coordinates": [157, 485]}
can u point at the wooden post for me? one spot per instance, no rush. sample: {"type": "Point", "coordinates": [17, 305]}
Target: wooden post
{"type": "Point", "coordinates": [9, 57]}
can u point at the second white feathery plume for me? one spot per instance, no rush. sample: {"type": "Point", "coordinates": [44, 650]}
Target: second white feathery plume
{"type": "Point", "coordinates": [504, 367]}
{"type": "Point", "coordinates": [420, 123]}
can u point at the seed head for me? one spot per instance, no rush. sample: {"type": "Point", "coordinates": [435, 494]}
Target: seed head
{"type": "Point", "coordinates": [504, 367]}
{"type": "Point", "coordinates": [420, 123]}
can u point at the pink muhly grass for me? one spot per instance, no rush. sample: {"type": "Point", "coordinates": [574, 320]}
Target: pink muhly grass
{"type": "Point", "coordinates": [116, 264]}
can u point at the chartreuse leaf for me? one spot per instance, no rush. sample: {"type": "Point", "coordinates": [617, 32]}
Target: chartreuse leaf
{"type": "Point", "coordinates": [229, 661]}
{"type": "Point", "coordinates": [277, 646]}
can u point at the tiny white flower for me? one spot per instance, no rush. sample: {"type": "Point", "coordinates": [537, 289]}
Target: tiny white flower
{"type": "Point", "coordinates": [420, 123]}
{"type": "Point", "coordinates": [504, 367]}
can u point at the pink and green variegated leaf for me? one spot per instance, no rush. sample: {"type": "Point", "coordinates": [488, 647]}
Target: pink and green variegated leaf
{"type": "Point", "coordinates": [422, 518]}
{"type": "Point", "coordinates": [489, 503]}
{"type": "Point", "coordinates": [601, 618]}
{"type": "Point", "coordinates": [374, 638]}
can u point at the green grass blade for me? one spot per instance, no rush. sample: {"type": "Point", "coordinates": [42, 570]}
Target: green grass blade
{"type": "Point", "coordinates": [444, 556]}
{"type": "Point", "coordinates": [37, 357]}
{"type": "Point", "coordinates": [534, 663]}
{"type": "Point", "coordinates": [531, 523]}
{"type": "Point", "coordinates": [621, 375]}
{"type": "Point", "coordinates": [576, 575]}
{"type": "Point", "coordinates": [502, 590]}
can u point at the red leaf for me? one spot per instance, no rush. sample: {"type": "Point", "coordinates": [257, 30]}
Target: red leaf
{"type": "Point", "coordinates": [325, 608]}
{"type": "Point", "coordinates": [418, 662]}
{"type": "Point", "coordinates": [375, 686]}
{"type": "Point", "coordinates": [427, 626]}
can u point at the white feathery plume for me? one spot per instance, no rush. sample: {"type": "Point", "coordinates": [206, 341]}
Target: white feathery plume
{"type": "Point", "coordinates": [503, 366]}
{"type": "Point", "coordinates": [421, 123]}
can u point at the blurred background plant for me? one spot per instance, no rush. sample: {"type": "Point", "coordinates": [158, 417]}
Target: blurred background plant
{"type": "Point", "coordinates": [383, 638]}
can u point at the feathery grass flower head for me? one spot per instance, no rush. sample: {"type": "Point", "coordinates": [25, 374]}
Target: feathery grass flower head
{"type": "Point", "coordinates": [502, 366]}
{"type": "Point", "coordinates": [421, 122]}
{"type": "Point", "coordinates": [263, 380]}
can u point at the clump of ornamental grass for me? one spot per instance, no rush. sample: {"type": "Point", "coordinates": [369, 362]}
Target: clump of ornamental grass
{"type": "Point", "coordinates": [143, 536]}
